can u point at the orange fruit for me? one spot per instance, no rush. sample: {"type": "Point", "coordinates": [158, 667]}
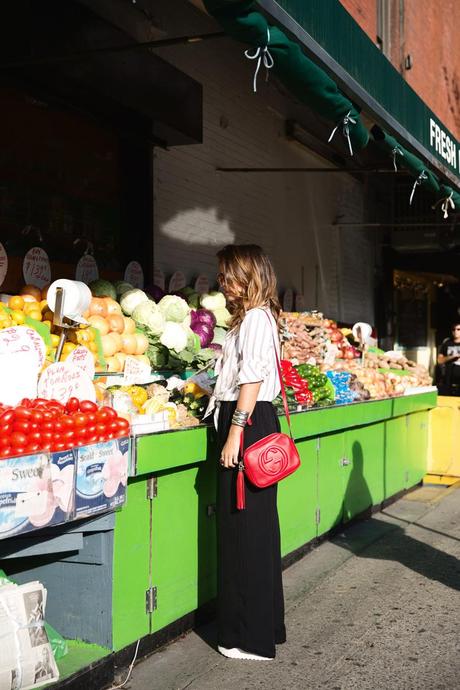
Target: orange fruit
{"type": "Point", "coordinates": [16, 302]}
{"type": "Point", "coordinates": [18, 316]}
{"type": "Point", "coordinates": [35, 314]}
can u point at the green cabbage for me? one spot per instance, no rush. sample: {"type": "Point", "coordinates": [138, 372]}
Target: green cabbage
{"type": "Point", "coordinates": [213, 300]}
{"type": "Point", "coordinates": [174, 308]}
{"type": "Point", "coordinates": [131, 299]}
{"type": "Point", "coordinates": [175, 336]}
{"type": "Point", "coordinates": [148, 314]}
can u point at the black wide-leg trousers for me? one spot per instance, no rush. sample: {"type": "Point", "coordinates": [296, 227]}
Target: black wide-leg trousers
{"type": "Point", "coordinates": [250, 590]}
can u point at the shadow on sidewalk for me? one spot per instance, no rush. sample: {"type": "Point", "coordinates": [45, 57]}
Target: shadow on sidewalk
{"type": "Point", "coordinates": [393, 544]}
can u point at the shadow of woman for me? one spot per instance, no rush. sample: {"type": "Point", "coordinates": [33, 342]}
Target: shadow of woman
{"type": "Point", "coordinates": [389, 541]}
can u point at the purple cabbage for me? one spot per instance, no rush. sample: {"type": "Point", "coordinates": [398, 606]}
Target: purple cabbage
{"type": "Point", "coordinates": [155, 292]}
{"type": "Point", "coordinates": [203, 323]}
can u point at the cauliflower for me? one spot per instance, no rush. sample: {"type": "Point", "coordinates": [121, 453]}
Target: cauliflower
{"type": "Point", "coordinates": [174, 336]}
{"type": "Point", "coordinates": [130, 300]}
{"type": "Point", "coordinates": [148, 314]}
{"type": "Point", "coordinates": [213, 300]}
{"type": "Point", "coordinates": [174, 308]}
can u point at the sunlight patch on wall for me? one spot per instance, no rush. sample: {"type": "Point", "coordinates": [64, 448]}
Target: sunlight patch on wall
{"type": "Point", "coordinates": [198, 226]}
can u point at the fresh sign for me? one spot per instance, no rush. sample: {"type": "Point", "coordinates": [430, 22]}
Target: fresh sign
{"type": "Point", "coordinates": [444, 145]}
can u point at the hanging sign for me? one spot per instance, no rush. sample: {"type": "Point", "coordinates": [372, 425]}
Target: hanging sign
{"type": "Point", "coordinates": [299, 303]}
{"type": "Point", "coordinates": [159, 278]}
{"type": "Point", "coordinates": [23, 339]}
{"type": "Point", "coordinates": [134, 274]}
{"type": "Point", "coordinates": [288, 300]}
{"type": "Point", "coordinates": [177, 281]}
{"type": "Point", "coordinates": [63, 380]}
{"type": "Point", "coordinates": [3, 263]}
{"type": "Point", "coordinates": [202, 284]}
{"type": "Point", "coordinates": [36, 267]}
{"type": "Point", "coordinates": [87, 270]}
{"type": "Point", "coordinates": [84, 359]}
{"type": "Point", "coordinates": [135, 371]}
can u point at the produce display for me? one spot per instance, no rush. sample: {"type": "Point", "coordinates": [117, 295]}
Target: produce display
{"type": "Point", "coordinates": [41, 425]}
{"type": "Point", "coordinates": [308, 337]}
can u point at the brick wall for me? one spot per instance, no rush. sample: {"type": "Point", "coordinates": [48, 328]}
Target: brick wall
{"type": "Point", "coordinates": [198, 209]}
{"type": "Point", "coordinates": [429, 35]}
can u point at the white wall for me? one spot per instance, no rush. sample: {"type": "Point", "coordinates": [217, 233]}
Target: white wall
{"type": "Point", "coordinates": [197, 209]}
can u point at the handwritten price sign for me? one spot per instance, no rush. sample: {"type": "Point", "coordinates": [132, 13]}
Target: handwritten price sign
{"type": "Point", "coordinates": [3, 263]}
{"type": "Point", "coordinates": [36, 267]}
{"type": "Point", "coordinates": [134, 274]}
{"type": "Point", "coordinates": [159, 278]}
{"type": "Point", "coordinates": [135, 371]}
{"type": "Point", "coordinates": [177, 281]}
{"type": "Point", "coordinates": [202, 284]}
{"type": "Point", "coordinates": [87, 270]}
{"type": "Point", "coordinates": [82, 358]}
{"type": "Point", "coordinates": [65, 380]}
{"type": "Point", "coordinates": [22, 339]}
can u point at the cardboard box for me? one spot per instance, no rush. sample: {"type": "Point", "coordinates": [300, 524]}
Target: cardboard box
{"type": "Point", "coordinates": [102, 475]}
{"type": "Point", "coordinates": [63, 465]}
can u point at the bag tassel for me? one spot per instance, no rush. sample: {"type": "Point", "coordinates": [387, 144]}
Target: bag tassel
{"type": "Point", "coordinates": [240, 490]}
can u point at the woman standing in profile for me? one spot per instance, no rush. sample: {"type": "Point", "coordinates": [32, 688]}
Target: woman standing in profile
{"type": "Point", "coordinates": [250, 590]}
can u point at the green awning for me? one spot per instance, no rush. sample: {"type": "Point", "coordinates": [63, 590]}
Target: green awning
{"type": "Point", "coordinates": [304, 79]}
{"type": "Point", "coordinates": [404, 158]}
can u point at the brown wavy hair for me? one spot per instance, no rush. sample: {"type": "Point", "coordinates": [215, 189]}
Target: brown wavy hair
{"type": "Point", "coordinates": [248, 272]}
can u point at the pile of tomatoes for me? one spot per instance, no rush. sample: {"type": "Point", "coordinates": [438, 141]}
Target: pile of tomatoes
{"type": "Point", "coordinates": [42, 425]}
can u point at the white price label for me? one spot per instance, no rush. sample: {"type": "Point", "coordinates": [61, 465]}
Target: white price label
{"type": "Point", "coordinates": [177, 281]}
{"type": "Point", "coordinates": [135, 371]}
{"type": "Point", "coordinates": [134, 274]}
{"type": "Point", "coordinates": [3, 263]}
{"type": "Point", "coordinates": [87, 270]}
{"type": "Point", "coordinates": [64, 380]}
{"type": "Point", "coordinates": [202, 284]}
{"type": "Point", "coordinates": [23, 339]}
{"type": "Point", "coordinates": [36, 267]}
{"type": "Point", "coordinates": [84, 359]}
{"type": "Point", "coordinates": [159, 278]}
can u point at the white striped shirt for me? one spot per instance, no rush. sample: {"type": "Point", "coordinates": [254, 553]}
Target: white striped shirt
{"type": "Point", "coordinates": [248, 356]}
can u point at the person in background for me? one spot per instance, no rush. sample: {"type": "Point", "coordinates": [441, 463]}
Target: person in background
{"type": "Point", "coordinates": [449, 361]}
{"type": "Point", "coordinates": [250, 601]}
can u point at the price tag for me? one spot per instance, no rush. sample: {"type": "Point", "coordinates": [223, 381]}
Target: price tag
{"type": "Point", "coordinates": [19, 375]}
{"type": "Point", "coordinates": [159, 278]}
{"type": "Point", "coordinates": [87, 270]}
{"type": "Point", "coordinates": [135, 371]}
{"type": "Point", "coordinates": [134, 274]}
{"type": "Point", "coordinates": [288, 300]}
{"type": "Point", "coordinates": [177, 281]}
{"type": "Point", "coordinates": [63, 380]}
{"type": "Point", "coordinates": [23, 339]}
{"type": "Point", "coordinates": [84, 359]}
{"type": "Point", "coordinates": [299, 303]}
{"type": "Point", "coordinates": [3, 263]}
{"type": "Point", "coordinates": [202, 284]}
{"type": "Point", "coordinates": [36, 267]}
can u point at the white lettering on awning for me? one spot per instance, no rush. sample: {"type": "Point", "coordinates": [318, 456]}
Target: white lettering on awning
{"type": "Point", "coordinates": [441, 142]}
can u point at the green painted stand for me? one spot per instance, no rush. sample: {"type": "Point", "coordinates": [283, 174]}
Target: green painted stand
{"type": "Point", "coordinates": [353, 457]}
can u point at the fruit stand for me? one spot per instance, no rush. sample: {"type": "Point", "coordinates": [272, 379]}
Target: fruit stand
{"type": "Point", "coordinates": [128, 529]}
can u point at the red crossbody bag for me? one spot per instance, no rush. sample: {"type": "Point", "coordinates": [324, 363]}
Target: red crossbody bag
{"type": "Point", "coordinates": [270, 459]}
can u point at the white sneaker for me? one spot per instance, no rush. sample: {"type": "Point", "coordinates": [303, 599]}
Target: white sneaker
{"type": "Point", "coordinates": [236, 653]}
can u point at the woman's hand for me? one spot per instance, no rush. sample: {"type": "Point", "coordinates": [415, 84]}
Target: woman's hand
{"type": "Point", "coordinates": [230, 452]}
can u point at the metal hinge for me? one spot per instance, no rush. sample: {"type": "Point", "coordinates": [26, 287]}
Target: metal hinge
{"type": "Point", "coordinates": [151, 600]}
{"type": "Point", "coordinates": [318, 515]}
{"type": "Point", "coordinates": [344, 462]}
{"type": "Point", "coordinates": [406, 476]}
{"type": "Point", "coordinates": [318, 443]}
{"type": "Point", "coordinates": [152, 488]}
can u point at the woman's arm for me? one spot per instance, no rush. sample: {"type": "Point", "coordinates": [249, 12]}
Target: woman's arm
{"type": "Point", "coordinates": [443, 359]}
{"type": "Point", "coordinates": [246, 402]}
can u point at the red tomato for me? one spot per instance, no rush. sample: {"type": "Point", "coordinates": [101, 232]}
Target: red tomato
{"type": "Point", "coordinates": [47, 425]}
{"type": "Point", "coordinates": [32, 447]}
{"type": "Point", "coordinates": [111, 435]}
{"type": "Point", "coordinates": [46, 436]}
{"type": "Point", "coordinates": [18, 440]}
{"type": "Point", "coordinates": [102, 437]}
{"type": "Point", "coordinates": [6, 430]}
{"type": "Point", "coordinates": [55, 406]}
{"type": "Point", "coordinates": [56, 446]}
{"type": "Point", "coordinates": [92, 417]}
{"type": "Point", "coordinates": [66, 421]}
{"type": "Point", "coordinates": [4, 441]}
{"type": "Point", "coordinates": [33, 426]}
{"type": "Point", "coordinates": [6, 417]}
{"type": "Point", "coordinates": [49, 415]}
{"type": "Point", "coordinates": [57, 438]}
{"type": "Point", "coordinates": [40, 402]}
{"type": "Point", "coordinates": [26, 402]}
{"type": "Point", "coordinates": [92, 439]}
{"type": "Point", "coordinates": [101, 428]}
{"type": "Point", "coordinates": [46, 447]}
{"type": "Point", "coordinates": [79, 442]}
{"type": "Point", "coordinates": [88, 406]}
{"type": "Point", "coordinates": [90, 430]}
{"type": "Point", "coordinates": [5, 452]}
{"type": "Point", "coordinates": [21, 425]}
{"type": "Point", "coordinates": [22, 412]}
{"type": "Point", "coordinates": [68, 436]}
{"type": "Point", "coordinates": [112, 426]}
{"type": "Point", "coordinates": [80, 420]}
{"type": "Point", "coordinates": [18, 450]}
{"type": "Point", "coordinates": [123, 423]}
{"type": "Point", "coordinates": [72, 405]}
{"type": "Point", "coordinates": [34, 437]}
{"type": "Point", "coordinates": [37, 416]}
{"type": "Point", "coordinates": [58, 425]}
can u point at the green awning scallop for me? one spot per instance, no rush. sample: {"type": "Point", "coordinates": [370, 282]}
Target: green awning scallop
{"type": "Point", "coordinates": [304, 79]}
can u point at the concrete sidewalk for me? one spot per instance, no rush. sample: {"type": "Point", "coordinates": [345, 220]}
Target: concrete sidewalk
{"type": "Point", "coordinates": [376, 607]}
